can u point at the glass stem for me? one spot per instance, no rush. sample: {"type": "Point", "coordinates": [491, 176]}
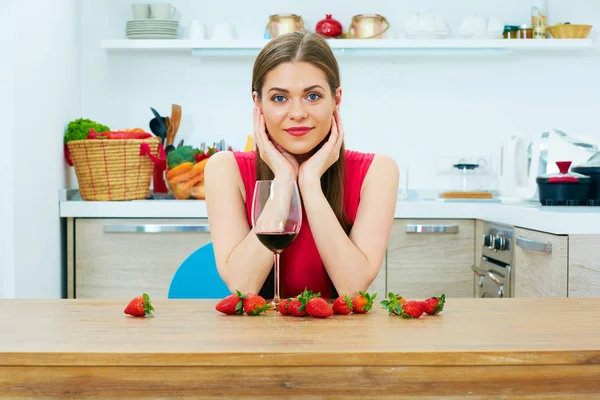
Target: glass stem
{"type": "Point", "coordinates": [276, 298]}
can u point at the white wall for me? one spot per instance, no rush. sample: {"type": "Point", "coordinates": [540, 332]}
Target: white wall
{"type": "Point", "coordinates": [7, 92]}
{"type": "Point", "coordinates": [46, 96]}
{"type": "Point", "coordinates": [417, 109]}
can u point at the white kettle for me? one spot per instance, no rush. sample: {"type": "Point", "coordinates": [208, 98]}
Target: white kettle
{"type": "Point", "coordinates": [519, 169]}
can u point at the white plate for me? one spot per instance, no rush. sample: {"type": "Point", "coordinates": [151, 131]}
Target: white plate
{"type": "Point", "coordinates": [151, 36]}
{"type": "Point", "coordinates": [166, 31]}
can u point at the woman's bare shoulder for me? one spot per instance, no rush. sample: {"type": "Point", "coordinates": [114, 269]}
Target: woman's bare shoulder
{"type": "Point", "coordinates": [222, 168]}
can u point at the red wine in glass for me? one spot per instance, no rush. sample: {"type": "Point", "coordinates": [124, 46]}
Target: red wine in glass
{"type": "Point", "coordinates": [276, 219]}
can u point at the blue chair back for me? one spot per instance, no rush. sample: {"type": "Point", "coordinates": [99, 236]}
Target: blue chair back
{"type": "Point", "coordinates": [197, 277]}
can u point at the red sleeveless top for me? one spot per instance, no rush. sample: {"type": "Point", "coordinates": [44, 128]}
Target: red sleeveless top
{"type": "Point", "coordinates": [300, 264]}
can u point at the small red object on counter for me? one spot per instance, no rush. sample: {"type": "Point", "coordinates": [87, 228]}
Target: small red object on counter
{"type": "Point", "coordinates": [329, 27]}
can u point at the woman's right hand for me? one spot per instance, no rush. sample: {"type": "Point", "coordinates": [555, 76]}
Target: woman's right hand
{"type": "Point", "coordinates": [283, 164]}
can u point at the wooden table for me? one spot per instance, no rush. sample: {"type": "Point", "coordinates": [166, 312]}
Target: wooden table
{"type": "Point", "coordinates": [485, 348]}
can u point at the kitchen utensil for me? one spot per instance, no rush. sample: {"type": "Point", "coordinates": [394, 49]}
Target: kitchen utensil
{"type": "Point", "coordinates": [591, 168]}
{"type": "Point", "coordinates": [564, 187]}
{"type": "Point", "coordinates": [329, 27]}
{"type": "Point", "coordinates": [426, 26]}
{"type": "Point", "coordinates": [467, 180]}
{"type": "Point", "coordinates": [160, 119]}
{"type": "Point", "coordinates": [368, 26]}
{"type": "Point", "coordinates": [569, 31]}
{"type": "Point", "coordinates": [175, 120]}
{"type": "Point", "coordinates": [158, 129]}
{"type": "Point", "coordinates": [280, 24]}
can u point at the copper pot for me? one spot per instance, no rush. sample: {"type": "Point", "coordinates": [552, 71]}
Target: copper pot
{"type": "Point", "coordinates": [280, 24]}
{"type": "Point", "coordinates": [368, 26]}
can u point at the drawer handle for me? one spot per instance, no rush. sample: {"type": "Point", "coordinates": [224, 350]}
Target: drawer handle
{"type": "Point", "coordinates": [418, 228]}
{"type": "Point", "coordinates": [155, 228]}
{"type": "Point", "coordinates": [534, 245]}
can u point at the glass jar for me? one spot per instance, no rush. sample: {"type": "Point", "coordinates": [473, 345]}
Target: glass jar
{"type": "Point", "coordinates": [525, 32]}
{"type": "Point", "coordinates": [511, 32]}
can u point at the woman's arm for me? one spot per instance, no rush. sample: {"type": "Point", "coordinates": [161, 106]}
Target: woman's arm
{"type": "Point", "coordinates": [242, 260]}
{"type": "Point", "coordinates": [353, 261]}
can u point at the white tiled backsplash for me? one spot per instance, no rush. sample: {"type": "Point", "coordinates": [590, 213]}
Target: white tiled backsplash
{"type": "Point", "coordinates": [425, 111]}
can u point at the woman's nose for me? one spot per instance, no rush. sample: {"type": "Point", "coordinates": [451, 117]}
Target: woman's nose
{"type": "Point", "coordinates": [297, 110]}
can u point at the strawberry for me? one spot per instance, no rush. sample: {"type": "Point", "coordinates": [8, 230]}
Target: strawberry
{"type": "Point", "coordinates": [140, 306]}
{"type": "Point", "coordinates": [393, 303]}
{"type": "Point", "coordinates": [412, 309]}
{"type": "Point", "coordinates": [318, 307]}
{"type": "Point", "coordinates": [283, 307]}
{"type": "Point", "coordinates": [297, 306]}
{"type": "Point", "coordinates": [343, 305]}
{"type": "Point", "coordinates": [254, 304]}
{"type": "Point", "coordinates": [294, 308]}
{"type": "Point", "coordinates": [435, 305]}
{"type": "Point", "coordinates": [231, 305]}
{"type": "Point", "coordinates": [362, 303]}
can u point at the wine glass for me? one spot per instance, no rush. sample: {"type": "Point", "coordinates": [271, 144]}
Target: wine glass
{"type": "Point", "coordinates": [276, 219]}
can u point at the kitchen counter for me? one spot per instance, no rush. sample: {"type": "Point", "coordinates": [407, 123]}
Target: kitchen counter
{"type": "Point", "coordinates": [557, 220]}
{"type": "Point", "coordinates": [483, 348]}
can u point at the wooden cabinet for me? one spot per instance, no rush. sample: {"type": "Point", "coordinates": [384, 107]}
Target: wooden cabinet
{"type": "Point", "coordinates": [584, 266]}
{"type": "Point", "coordinates": [429, 257]}
{"type": "Point", "coordinates": [541, 264]}
{"type": "Point", "coordinates": [121, 258]}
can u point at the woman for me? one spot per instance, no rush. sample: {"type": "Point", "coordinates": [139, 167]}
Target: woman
{"type": "Point", "coordinates": [348, 197]}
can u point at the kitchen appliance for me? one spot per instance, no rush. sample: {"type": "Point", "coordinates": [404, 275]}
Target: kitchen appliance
{"type": "Point", "coordinates": [494, 276]}
{"type": "Point", "coordinates": [526, 158]}
{"type": "Point", "coordinates": [563, 188]}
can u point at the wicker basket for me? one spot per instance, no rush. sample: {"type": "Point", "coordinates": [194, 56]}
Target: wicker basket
{"type": "Point", "coordinates": [569, 31]}
{"type": "Point", "coordinates": [113, 169]}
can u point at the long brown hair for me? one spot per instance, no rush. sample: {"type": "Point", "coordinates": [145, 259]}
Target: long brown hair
{"type": "Point", "coordinates": [311, 48]}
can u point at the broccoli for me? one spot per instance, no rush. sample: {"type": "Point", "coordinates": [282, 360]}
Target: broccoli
{"type": "Point", "coordinates": [79, 129]}
{"type": "Point", "coordinates": [181, 155]}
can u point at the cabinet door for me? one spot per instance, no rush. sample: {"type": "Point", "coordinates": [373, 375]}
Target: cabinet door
{"type": "Point", "coordinates": [122, 258]}
{"type": "Point", "coordinates": [431, 257]}
{"type": "Point", "coordinates": [540, 264]}
{"type": "Point", "coordinates": [584, 266]}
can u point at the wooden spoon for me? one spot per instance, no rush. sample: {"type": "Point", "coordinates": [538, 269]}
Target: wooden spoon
{"type": "Point", "coordinates": [176, 119]}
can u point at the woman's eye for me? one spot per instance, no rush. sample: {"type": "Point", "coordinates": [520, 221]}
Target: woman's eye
{"type": "Point", "coordinates": [278, 98]}
{"type": "Point", "coordinates": [313, 96]}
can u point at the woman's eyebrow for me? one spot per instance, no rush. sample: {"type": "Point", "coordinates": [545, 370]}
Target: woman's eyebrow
{"type": "Point", "coordinates": [277, 89]}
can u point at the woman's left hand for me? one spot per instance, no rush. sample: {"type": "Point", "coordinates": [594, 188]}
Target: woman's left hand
{"type": "Point", "coordinates": [313, 169]}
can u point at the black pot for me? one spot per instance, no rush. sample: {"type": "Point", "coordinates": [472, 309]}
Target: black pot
{"type": "Point", "coordinates": [564, 188]}
{"type": "Point", "coordinates": [594, 174]}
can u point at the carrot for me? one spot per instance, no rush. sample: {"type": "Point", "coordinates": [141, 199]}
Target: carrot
{"type": "Point", "coordinates": [184, 176]}
{"type": "Point", "coordinates": [183, 167]}
{"type": "Point", "coordinates": [189, 184]}
{"type": "Point", "coordinates": [199, 166]}
{"type": "Point", "coordinates": [198, 191]}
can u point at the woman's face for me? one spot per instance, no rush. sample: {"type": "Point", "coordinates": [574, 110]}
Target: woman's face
{"type": "Point", "coordinates": [298, 106]}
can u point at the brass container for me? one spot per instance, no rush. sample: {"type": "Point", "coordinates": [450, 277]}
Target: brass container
{"type": "Point", "coordinates": [280, 24]}
{"type": "Point", "coordinates": [368, 26]}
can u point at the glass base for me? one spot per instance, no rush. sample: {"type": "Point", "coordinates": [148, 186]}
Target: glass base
{"type": "Point", "coordinates": [275, 304]}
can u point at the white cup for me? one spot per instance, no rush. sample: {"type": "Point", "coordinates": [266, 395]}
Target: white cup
{"type": "Point", "coordinates": [140, 11]}
{"type": "Point", "coordinates": [223, 31]}
{"type": "Point", "coordinates": [196, 30]}
{"type": "Point", "coordinates": [162, 11]}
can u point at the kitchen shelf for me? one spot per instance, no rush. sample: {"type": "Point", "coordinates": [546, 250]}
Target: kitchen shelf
{"type": "Point", "coordinates": [359, 46]}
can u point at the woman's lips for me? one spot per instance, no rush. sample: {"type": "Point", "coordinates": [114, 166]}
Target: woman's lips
{"type": "Point", "coordinates": [298, 130]}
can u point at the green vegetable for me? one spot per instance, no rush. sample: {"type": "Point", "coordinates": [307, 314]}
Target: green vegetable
{"type": "Point", "coordinates": [79, 129]}
{"type": "Point", "coordinates": [181, 155]}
